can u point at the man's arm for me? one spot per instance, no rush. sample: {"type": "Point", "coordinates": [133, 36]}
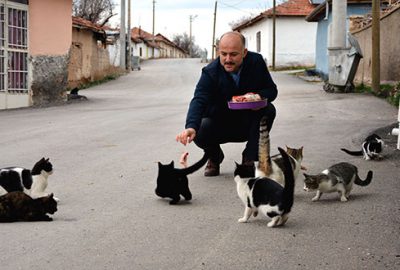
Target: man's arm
{"type": "Point", "coordinates": [269, 89]}
{"type": "Point", "coordinates": [199, 102]}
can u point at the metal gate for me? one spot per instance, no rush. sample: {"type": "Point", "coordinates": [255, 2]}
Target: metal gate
{"type": "Point", "coordinates": [14, 79]}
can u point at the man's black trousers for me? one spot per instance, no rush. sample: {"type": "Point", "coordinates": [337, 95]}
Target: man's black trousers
{"type": "Point", "coordinates": [236, 126]}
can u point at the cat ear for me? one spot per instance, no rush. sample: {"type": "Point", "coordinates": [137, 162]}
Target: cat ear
{"type": "Point", "coordinates": [159, 164]}
{"type": "Point", "coordinates": [305, 175]}
{"type": "Point", "coordinates": [172, 163]}
{"type": "Point", "coordinates": [47, 159]}
{"type": "Point", "coordinates": [51, 195]}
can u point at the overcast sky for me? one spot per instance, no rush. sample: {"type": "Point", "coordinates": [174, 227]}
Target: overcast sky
{"type": "Point", "coordinates": [172, 16]}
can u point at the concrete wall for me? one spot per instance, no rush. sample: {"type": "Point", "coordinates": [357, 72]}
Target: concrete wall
{"type": "Point", "coordinates": [50, 25]}
{"type": "Point", "coordinates": [321, 51]}
{"type": "Point", "coordinates": [389, 50]}
{"type": "Point", "coordinates": [89, 60]}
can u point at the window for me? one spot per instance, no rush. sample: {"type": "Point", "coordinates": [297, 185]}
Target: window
{"type": "Point", "coordinates": [14, 49]}
{"type": "Point", "coordinates": [258, 36]}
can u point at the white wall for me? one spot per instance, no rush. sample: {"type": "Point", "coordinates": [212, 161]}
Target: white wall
{"type": "Point", "coordinates": [295, 41]}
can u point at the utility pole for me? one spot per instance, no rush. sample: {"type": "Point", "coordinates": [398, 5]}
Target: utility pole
{"type": "Point", "coordinates": [191, 18]}
{"type": "Point", "coordinates": [154, 20]}
{"type": "Point", "coordinates": [375, 57]}
{"type": "Point", "coordinates": [213, 46]}
{"type": "Point", "coordinates": [273, 33]}
{"type": "Point", "coordinates": [129, 36]}
{"type": "Point", "coordinates": [122, 37]}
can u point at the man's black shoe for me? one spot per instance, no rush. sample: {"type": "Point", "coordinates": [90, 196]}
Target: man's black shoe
{"type": "Point", "coordinates": [212, 168]}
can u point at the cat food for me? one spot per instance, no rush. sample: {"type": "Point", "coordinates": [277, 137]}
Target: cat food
{"type": "Point", "coordinates": [247, 101]}
{"type": "Point", "coordinates": [248, 97]}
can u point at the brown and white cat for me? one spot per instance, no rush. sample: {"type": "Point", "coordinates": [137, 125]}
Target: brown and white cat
{"type": "Point", "coordinates": [337, 178]}
{"type": "Point", "coordinates": [274, 167]}
{"type": "Point", "coordinates": [18, 206]}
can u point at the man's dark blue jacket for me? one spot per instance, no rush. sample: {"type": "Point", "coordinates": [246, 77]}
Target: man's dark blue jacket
{"type": "Point", "coordinates": [216, 87]}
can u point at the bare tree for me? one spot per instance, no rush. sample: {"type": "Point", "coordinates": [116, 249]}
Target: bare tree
{"type": "Point", "coordinates": [96, 11]}
{"type": "Point", "coordinates": [183, 41]}
{"type": "Point", "coordinates": [239, 21]}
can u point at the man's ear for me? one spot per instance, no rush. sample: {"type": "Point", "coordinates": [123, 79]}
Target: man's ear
{"type": "Point", "coordinates": [244, 52]}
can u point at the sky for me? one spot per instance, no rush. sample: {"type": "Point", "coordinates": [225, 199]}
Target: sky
{"type": "Point", "coordinates": [173, 16]}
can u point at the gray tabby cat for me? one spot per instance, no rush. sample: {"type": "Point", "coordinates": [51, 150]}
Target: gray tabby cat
{"type": "Point", "coordinates": [337, 178]}
{"type": "Point", "coordinates": [273, 167]}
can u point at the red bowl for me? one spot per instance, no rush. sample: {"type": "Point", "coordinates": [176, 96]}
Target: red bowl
{"type": "Point", "coordinates": [247, 105]}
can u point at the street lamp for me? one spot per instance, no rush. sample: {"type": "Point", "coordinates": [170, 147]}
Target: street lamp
{"type": "Point", "coordinates": [191, 18]}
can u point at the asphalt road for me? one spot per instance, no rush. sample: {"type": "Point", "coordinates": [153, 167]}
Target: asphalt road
{"type": "Point", "coordinates": [105, 150]}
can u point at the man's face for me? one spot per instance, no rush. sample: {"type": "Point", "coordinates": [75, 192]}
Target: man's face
{"type": "Point", "coordinates": [231, 52]}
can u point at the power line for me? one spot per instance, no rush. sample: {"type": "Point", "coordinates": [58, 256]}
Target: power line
{"type": "Point", "coordinates": [234, 7]}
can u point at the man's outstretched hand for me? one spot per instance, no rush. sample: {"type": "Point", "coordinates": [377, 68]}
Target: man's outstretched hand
{"type": "Point", "coordinates": [186, 136]}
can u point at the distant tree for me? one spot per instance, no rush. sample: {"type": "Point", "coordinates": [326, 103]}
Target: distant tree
{"type": "Point", "coordinates": [239, 21]}
{"type": "Point", "coordinates": [96, 11]}
{"type": "Point", "coordinates": [183, 41]}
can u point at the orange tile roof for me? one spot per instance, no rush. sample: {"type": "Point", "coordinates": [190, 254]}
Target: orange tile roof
{"type": "Point", "coordinates": [292, 8]}
{"type": "Point", "coordinates": [140, 33]}
{"type": "Point", "coordinates": [83, 23]}
{"type": "Point", "coordinates": [300, 8]}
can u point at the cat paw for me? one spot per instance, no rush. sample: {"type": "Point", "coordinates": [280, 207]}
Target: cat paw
{"type": "Point", "coordinates": [242, 220]}
{"type": "Point", "coordinates": [271, 224]}
{"type": "Point", "coordinates": [343, 199]}
{"type": "Point", "coordinates": [283, 220]}
{"type": "Point", "coordinates": [314, 199]}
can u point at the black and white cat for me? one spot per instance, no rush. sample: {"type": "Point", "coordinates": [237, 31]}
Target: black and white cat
{"type": "Point", "coordinates": [18, 206]}
{"type": "Point", "coordinates": [33, 182]}
{"type": "Point", "coordinates": [370, 148]}
{"type": "Point", "coordinates": [273, 167]}
{"type": "Point", "coordinates": [337, 178]}
{"type": "Point", "coordinates": [265, 195]}
{"type": "Point", "coordinates": [173, 182]}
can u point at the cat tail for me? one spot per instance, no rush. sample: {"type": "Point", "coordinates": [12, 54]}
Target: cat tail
{"type": "Point", "coordinates": [365, 182]}
{"type": "Point", "coordinates": [264, 158]}
{"type": "Point", "coordinates": [353, 153]}
{"type": "Point", "coordinates": [195, 166]}
{"type": "Point", "coordinates": [288, 190]}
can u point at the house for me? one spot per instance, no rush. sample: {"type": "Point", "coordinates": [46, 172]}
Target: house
{"type": "Point", "coordinates": [295, 38]}
{"type": "Point", "coordinates": [168, 49]}
{"type": "Point", "coordinates": [143, 44]}
{"type": "Point", "coordinates": [322, 15]}
{"type": "Point", "coordinates": [89, 57]}
{"type": "Point", "coordinates": [35, 52]}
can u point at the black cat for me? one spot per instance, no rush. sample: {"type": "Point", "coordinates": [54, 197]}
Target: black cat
{"type": "Point", "coordinates": [17, 206]}
{"type": "Point", "coordinates": [173, 182]}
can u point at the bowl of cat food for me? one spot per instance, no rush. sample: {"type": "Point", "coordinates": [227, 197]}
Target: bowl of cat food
{"type": "Point", "coordinates": [247, 101]}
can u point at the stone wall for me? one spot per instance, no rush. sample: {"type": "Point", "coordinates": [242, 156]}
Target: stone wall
{"type": "Point", "coordinates": [49, 79]}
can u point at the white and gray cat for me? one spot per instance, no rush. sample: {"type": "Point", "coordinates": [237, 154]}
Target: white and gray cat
{"type": "Point", "coordinates": [32, 182]}
{"type": "Point", "coordinates": [371, 148]}
{"type": "Point", "coordinates": [339, 178]}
